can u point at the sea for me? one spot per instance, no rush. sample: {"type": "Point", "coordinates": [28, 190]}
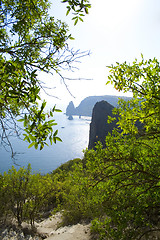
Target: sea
{"type": "Point", "coordinates": [75, 137]}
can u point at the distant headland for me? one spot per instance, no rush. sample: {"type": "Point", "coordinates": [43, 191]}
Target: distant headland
{"type": "Point", "coordinates": [86, 106]}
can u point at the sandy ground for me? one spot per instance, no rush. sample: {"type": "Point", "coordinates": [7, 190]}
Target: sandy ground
{"type": "Point", "coordinates": [50, 231]}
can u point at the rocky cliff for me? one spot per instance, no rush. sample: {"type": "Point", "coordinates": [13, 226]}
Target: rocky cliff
{"type": "Point", "coordinates": [70, 110]}
{"type": "Point", "coordinates": [86, 106]}
{"type": "Point", "coordinates": [99, 126]}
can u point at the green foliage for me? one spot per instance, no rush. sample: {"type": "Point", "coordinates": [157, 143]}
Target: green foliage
{"type": "Point", "coordinates": [37, 128]}
{"type": "Point", "coordinates": [118, 187]}
{"type": "Point", "coordinates": [68, 166]}
{"type": "Point", "coordinates": [80, 8]}
{"type": "Point", "coordinates": [142, 79]}
{"type": "Point", "coordinates": [132, 165]}
{"type": "Point", "coordinates": [14, 192]}
{"type": "Point", "coordinates": [41, 192]}
{"type": "Point", "coordinates": [25, 195]}
{"type": "Point", "coordinates": [73, 195]}
{"type": "Point", "coordinates": [31, 42]}
{"type": "Point", "coordinates": [80, 199]}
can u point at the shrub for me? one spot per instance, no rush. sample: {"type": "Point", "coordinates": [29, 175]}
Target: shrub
{"type": "Point", "coordinates": [25, 195]}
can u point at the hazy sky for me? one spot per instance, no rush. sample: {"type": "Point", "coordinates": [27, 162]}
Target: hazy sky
{"type": "Point", "coordinates": [114, 31]}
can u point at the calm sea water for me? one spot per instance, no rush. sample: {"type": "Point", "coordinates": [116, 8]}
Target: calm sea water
{"type": "Point", "coordinates": [75, 136]}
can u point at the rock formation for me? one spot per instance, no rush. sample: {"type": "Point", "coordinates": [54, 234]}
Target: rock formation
{"type": "Point", "coordinates": [70, 110]}
{"type": "Point", "coordinates": [86, 106]}
{"type": "Point", "coordinates": [99, 126]}
{"type": "Point", "coordinates": [70, 117]}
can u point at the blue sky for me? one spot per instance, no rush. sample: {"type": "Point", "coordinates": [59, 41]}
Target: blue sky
{"type": "Point", "coordinates": [114, 31]}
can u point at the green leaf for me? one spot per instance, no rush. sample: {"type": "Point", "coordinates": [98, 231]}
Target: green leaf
{"type": "Point", "coordinates": [76, 21]}
{"type": "Point", "coordinates": [68, 11]}
{"type": "Point", "coordinates": [20, 120]}
{"type": "Point", "coordinates": [31, 145]}
{"type": "Point", "coordinates": [108, 82]}
{"type": "Point", "coordinates": [80, 19]}
{"type": "Point", "coordinates": [86, 10]}
{"type": "Point", "coordinates": [57, 110]}
{"type": "Point", "coordinates": [50, 139]}
{"type": "Point", "coordinates": [55, 133]}
{"type": "Point", "coordinates": [54, 139]}
{"type": "Point", "coordinates": [71, 38]}
{"type": "Point", "coordinates": [36, 145]}
{"type": "Point", "coordinates": [58, 139]}
{"type": "Point", "coordinates": [41, 146]}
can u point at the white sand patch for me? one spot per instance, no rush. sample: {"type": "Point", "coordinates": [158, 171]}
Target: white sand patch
{"type": "Point", "coordinates": [75, 232]}
{"type": "Point", "coordinates": [49, 228]}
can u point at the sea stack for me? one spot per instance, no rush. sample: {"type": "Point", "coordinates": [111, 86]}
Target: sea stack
{"type": "Point", "coordinates": [99, 127]}
{"type": "Point", "coordinates": [70, 110]}
{"type": "Point", "coordinates": [70, 117]}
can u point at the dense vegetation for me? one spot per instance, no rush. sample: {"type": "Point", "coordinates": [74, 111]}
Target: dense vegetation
{"type": "Point", "coordinates": [117, 188]}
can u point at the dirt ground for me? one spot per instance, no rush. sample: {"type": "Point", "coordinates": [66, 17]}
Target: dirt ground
{"type": "Point", "coordinates": [50, 231]}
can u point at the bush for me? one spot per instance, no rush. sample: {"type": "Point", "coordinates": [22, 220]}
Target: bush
{"type": "Point", "coordinates": [24, 195]}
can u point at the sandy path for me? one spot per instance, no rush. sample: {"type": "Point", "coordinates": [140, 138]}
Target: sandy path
{"type": "Point", "coordinates": [48, 229]}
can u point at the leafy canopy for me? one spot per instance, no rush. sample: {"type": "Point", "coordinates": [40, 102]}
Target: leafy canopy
{"type": "Point", "coordinates": [142, 79]}
{"type": "Point", "coordinates": [31, 42]}
{"type": "Point", "coordinates": [118, 187]}
{"type": "Point", "coordinates": [131, 170]}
